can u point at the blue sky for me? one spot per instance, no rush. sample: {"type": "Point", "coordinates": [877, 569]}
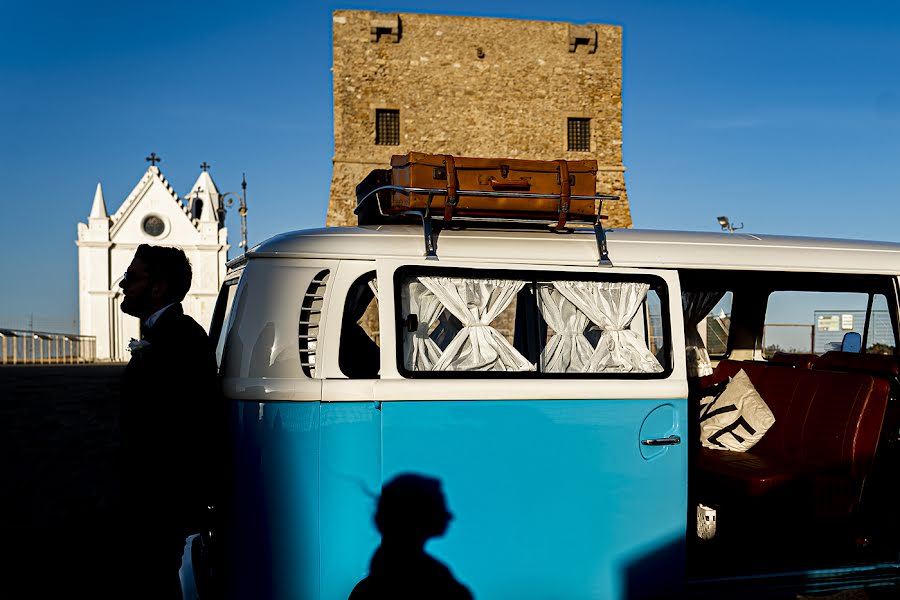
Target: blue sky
{"type": "Point", "coordinates": [782, 115]}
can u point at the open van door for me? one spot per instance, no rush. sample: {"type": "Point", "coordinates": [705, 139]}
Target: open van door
{"type": "Point", "coordinates": [565, 470]}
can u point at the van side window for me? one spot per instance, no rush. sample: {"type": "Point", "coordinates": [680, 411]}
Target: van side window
{"type": "Point", "coordinates": [879, 338]}
{"type": "Point", "coordinates": [707, 320]}
{"type": "Point", "coordinates": [815, 322]}
{"type": "Point", "coordinates": [597, 327]}
{"type": "Point", "coordinates": [532, 324]}
{"type": "Point", "coordinates": [221, 320]}
{"type": "Point", "coordinates": [461, 324]}
{"type": "Point", "coordinates": [718, 324]}
{"type": "Point", "coordinates": [653, 318]}
{"type": "Point", "coordinates": [360, 353]}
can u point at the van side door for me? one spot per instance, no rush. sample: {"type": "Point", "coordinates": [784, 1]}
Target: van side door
{"type": "Point", "coordinates": [551, 405]}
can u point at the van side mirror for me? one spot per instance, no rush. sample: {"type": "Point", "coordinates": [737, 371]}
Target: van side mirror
{"type": "Point", "coordinates": [852, 342]}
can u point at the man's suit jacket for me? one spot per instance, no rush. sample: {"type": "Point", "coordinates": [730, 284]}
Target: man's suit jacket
{"type": "Point", "coordinates": [170, 423]}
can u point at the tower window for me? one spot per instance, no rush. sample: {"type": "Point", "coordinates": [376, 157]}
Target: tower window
{"type": "Point", "coordinates": [579, 130]}
{"type": "Point", "coordinates": [387, 127]}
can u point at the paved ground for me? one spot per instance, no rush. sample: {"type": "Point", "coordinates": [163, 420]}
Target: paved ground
{"type": "Point", "coordinates": [59, 495]}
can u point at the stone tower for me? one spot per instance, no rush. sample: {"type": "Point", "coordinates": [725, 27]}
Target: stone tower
{"type": "Point", "coordinates": [474, 87]}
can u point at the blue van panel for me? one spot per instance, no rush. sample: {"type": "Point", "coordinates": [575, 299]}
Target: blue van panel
{"type": "Point", "coordinates": [275, 512]}
{"type": "Point", "coordinates": [349, 485]}
{"type": "Point", "coordinates": [551, 498]}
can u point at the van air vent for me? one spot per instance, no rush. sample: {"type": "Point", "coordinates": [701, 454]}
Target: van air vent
{"type": "Point", "coordinates": [310, 313]}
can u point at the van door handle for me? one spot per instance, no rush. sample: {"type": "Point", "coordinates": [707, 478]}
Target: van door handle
{"type": "Point", "coordinates": [667, 441]}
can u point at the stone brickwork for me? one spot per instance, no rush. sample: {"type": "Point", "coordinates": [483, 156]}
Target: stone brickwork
{"type": "Point", "coordinates": [474, 87]}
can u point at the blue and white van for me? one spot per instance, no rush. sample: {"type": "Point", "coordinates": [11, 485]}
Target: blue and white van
{"type": "Point", "coordinates": [558, 399]}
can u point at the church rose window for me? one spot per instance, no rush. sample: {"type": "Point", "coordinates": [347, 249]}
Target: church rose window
{"type": "Point", "coordinates": [154, 226]}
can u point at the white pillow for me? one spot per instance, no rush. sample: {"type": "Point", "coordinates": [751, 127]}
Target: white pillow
{"type": "Point", "coordinates": [736, 419]}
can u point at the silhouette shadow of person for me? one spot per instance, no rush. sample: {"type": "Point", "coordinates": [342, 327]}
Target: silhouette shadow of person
{"type": "Point", "coordinates": [411, 510]}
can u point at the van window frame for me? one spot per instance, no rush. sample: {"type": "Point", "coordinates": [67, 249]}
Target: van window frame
{"type": "Point", "coordinates": [222, 311]}
{"type": "Point", "coordinates": [756, 285]}
{"type": "Point", "coordinates": [657, 283]}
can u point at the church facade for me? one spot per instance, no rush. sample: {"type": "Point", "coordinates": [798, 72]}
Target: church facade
{"type": "Point", "coordinates": [151, 214]}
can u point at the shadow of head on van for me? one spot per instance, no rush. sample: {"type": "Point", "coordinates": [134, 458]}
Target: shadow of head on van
{"type": "Point", "coordinates": [411, 510]}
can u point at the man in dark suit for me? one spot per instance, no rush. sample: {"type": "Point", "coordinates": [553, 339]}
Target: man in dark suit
{"type": "Point", "coordinates": [167, 425]}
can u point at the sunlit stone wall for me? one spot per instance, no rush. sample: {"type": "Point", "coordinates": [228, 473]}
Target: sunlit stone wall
{"type": "Point", "coordinates": [474, 87]}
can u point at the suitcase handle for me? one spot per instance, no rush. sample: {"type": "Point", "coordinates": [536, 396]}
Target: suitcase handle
{"type": "Point", "coordinates": [565, 193]}
{"type": "Point", "coordinates": [510, 184]}
{"type": "Point", "coordinates": [452, 187]}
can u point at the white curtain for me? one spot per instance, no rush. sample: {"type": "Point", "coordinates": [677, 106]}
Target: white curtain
{"type": "Point", "coordinates": [568, 351]}
{"type": "Point", "coordinates": [612, 306]}
{"type": "Point", "coordinates": [696, 305]}
{"type": "Point", "coordinates": [476, 303]}
{"type": "Point", "coordinates": [421, 352]}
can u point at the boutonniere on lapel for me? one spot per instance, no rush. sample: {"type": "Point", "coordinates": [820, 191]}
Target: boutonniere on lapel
{"type": "Point", "coordinates": [137, 347]}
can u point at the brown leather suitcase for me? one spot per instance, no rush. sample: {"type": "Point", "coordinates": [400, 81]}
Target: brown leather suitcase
{"type": "Point", "coordinates": [506, 176]}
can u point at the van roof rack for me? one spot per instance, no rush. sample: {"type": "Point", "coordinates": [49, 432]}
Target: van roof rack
{"type": "Point", "coordinates": [432, 223]}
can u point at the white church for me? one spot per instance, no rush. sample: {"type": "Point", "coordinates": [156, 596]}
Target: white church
{"type": "Point", "coordinates": [151, 214]}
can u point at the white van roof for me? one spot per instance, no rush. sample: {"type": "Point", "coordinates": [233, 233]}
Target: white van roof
{"type": "Point", "coordinates": [627, 248]}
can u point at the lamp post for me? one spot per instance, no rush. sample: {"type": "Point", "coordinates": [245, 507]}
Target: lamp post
{"type": "Point", "coordinates": [228, 200]}
{"type": "Point", "coordinates": [728, 226]}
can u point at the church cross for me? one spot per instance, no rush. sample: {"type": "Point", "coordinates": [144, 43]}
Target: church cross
{"type": "Point", "coordinates": [153, 159]}
{"type": "Point", "coordinates": [204, 166]}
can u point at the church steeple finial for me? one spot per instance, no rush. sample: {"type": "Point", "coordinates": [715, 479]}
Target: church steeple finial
{"type": "Point", "coordinates": [153, 159]}
{"type": "Point", "coordinates": [98, 209]}
{"type": "Point", "coordinates": [204, 166]}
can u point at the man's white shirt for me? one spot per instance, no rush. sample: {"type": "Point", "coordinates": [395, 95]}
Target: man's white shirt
{"type": "Point", "coordinates": [155, 316]}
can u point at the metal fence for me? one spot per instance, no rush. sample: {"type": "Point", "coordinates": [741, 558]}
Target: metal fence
{"type": "Point", "coordinates": [21, 347]}
{"type": "Point", "coordinates": [832, 325]}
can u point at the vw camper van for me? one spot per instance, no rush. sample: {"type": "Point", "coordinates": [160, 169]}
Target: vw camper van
{"type": "Point", "coordinates": [610, 414]}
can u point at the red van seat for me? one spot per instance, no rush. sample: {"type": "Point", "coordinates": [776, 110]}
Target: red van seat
{"type": "Point", "coordinates": [789, 359]}
{"type": "Point", "coordinates": [826, 431]}
{"type": "Point", "coordinates": [743, 474]}
{"type": "Point", "coordinates": [878, 365]}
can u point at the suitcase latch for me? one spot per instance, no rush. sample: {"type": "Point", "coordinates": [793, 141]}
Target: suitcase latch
{"type": "Point", "coordinates": [504, 171]}
{"type": "Point", "coordinates": [439, 173]}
